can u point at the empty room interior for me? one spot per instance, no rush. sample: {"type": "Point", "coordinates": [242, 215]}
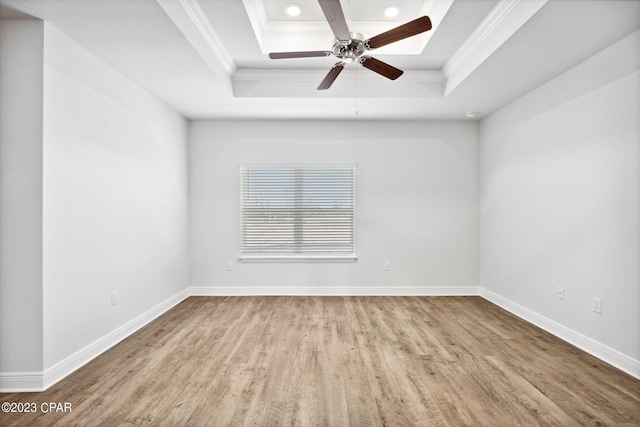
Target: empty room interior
{"type": "Point", "coordinates": [320, 212]}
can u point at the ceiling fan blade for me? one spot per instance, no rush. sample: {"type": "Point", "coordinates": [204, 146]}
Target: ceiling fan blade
{"type": "Point", "coordinates": [404, 31]}
{"type": "Point", "coordinates": [335, 16]}
{"type": "Point", "coordinates": [303, 54]}
{"type": "Point", "coordinates": [331, 76]}
{"type": "Point", "coordinates": [380, 67]}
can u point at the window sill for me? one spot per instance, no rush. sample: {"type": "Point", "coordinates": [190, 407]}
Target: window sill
{"type": "Point", "coordinates": [297, 258]}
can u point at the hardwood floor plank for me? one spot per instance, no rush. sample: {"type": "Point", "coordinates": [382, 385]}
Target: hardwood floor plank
{"type": "Point", "coordinates": [339, 361]}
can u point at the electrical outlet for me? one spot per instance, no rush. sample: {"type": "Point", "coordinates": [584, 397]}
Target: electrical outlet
{"type": "Point", "coordinates": [597, 305]}
{"type": "Point", "coordinates": [560, 292]}
{"type": "Point", "coordinates": [114, 297]}
{"type": "Point", "coordinates": [228, 266]}
{"type": "Point", "coordinates": [387, 266]}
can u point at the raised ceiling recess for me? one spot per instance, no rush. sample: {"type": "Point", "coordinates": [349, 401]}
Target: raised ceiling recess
{"type": "Point", "coordinates": [275, 31]}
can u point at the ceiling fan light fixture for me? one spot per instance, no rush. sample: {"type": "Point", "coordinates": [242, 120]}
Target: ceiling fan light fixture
{"type": "Point", "coordinates": [348, 56]}
{"type": "Point", "coordinates": [349, 47]}
{"type": "Point", "coordinates": [391, 11]}
{"type": "Point", "coordinates": [293, 10]}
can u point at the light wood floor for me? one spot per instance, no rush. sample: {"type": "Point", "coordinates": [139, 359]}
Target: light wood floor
{"type": "Point", "coordinates": [339, 361]}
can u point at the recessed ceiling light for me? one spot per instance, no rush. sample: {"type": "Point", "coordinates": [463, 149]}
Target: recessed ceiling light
{"type": "Point", "coordinates": [472, 114]}
{"type": "Point", "coordinates": [293, 10]}
{"type": "Point", "coordinates": [391, 12]}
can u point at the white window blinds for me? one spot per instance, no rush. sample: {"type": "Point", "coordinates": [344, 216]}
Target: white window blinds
{"type": "Point", "coordinates": [297, 212]}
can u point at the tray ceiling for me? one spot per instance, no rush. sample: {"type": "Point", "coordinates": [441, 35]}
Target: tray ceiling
{"type": "Point", "coordinates": [276, 31]}
{"type": "Point", "coordinates": [208, 58]}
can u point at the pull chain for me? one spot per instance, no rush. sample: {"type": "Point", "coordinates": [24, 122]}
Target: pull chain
{"type": "Point", "coordinates": [357, 77]}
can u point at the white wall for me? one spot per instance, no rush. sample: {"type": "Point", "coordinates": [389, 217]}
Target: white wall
{"type": "Point", "coordinates": [21, 70]}
{"type": "Point", "coordinates": [560, 202]}
{"type": "Point", "coordinates": [115, 199]}
{"type": "Point", "coordinates": [416, 204]}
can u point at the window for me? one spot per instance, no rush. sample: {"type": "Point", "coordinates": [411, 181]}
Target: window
{"type": "Point", "coordinates": [304, 213]}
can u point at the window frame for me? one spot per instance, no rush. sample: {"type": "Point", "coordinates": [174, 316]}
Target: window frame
{"type": "Point", "coordinates": [309, 256]}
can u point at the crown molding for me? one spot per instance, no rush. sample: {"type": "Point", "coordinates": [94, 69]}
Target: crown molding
{"type": "Point", "coordinates": [192, 22]}
{"type": "Point", "coordinates": [352, 83]}
{"type": "Point", "coordinates": [200, 21]}
{"type": "Point", "coordinates": [497, 27]}
{"type": "Point", "coordinates": [276, 75]}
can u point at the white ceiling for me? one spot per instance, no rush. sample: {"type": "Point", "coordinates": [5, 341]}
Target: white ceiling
{"type": "Point", "coordinates": [208, 58]}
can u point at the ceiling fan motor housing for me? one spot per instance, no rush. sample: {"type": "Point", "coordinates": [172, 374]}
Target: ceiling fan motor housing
{"type": "Point", "coordinates": [350, 51]}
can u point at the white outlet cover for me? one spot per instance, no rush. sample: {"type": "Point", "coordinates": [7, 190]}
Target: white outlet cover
{"type": "Point", "coordinates": [597, 305]}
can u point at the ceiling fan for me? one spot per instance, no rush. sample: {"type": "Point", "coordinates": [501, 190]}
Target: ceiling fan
{"type": "Point", "coordinates": [350, 47]}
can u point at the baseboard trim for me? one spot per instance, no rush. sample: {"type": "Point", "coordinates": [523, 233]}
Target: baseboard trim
{"type": "Point", "coordinates": [613, 357]}
{"type": "Point", "coordinates": [335, 291]}
{"type": "Point", "coordinates": [14, 382]}
{"type": "Point", "coordinates": [21, 382]}
{"type": "Point", "coordinates": [18, 382]}
{"type": "Point", "coordinates": [90, 352]}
